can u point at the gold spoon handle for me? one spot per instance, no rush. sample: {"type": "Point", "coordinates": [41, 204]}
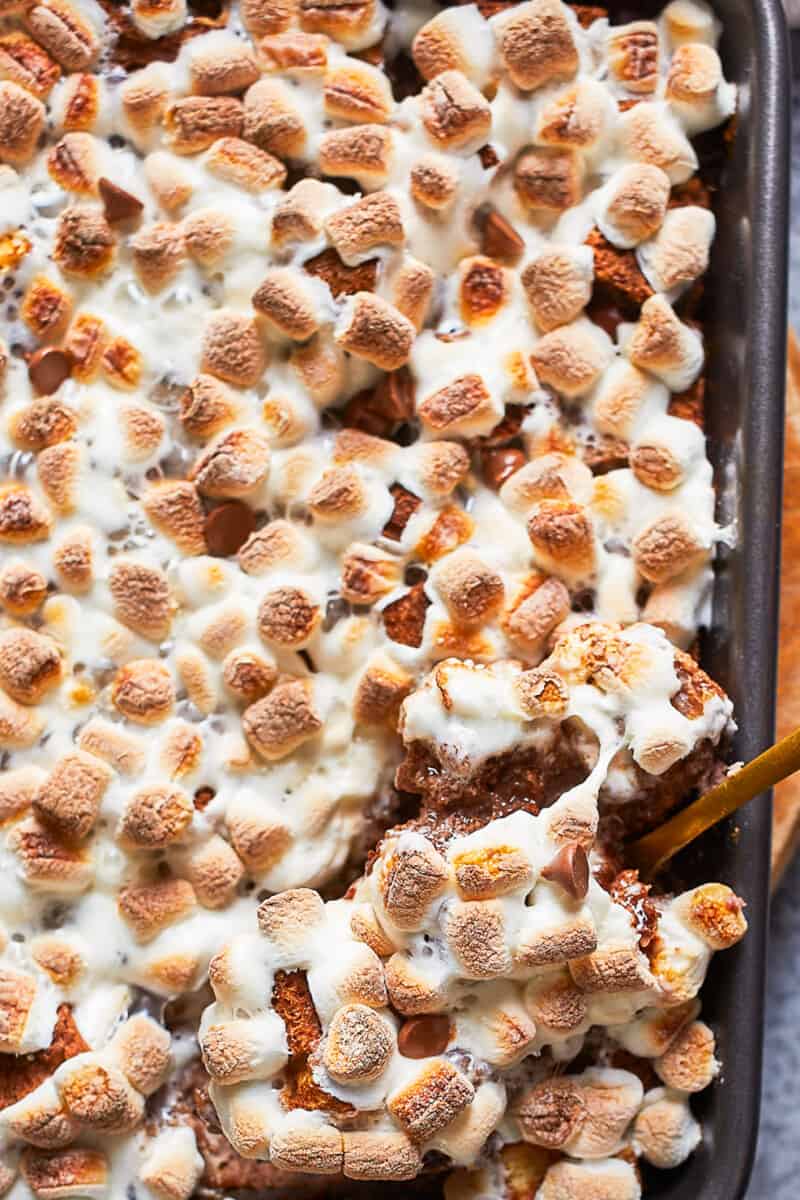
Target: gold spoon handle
{"type": "Point", "coordinates": [654, 849]}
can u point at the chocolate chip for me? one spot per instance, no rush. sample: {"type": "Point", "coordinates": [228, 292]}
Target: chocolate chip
{"type": "Point", "coordinates": [570, 870]}
{"type": "Point", "coordinates": [228, 527]}
{"type": "Point", "coordinates": [47, 370]}
{"type": "Point", "coordinates": [118, 204]}
{"type": "Point", "coordinates": [421, 1037]}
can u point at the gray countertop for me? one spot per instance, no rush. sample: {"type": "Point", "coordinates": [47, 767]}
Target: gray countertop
{"type": "Point", "coordinates": [777, 1170]}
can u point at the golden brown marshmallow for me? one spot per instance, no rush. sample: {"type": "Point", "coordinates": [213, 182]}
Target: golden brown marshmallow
{"type": "Point", "coordinates": [372, 329]}
{"type": "Point", "coordinates": [276, 725]}
{"type": "Point", "coordinates": [70, 798]}
{"type": "Point", "coordinates": [30, 665]}
{"type": "Point", "coordinates": [362, 151]}
{"type": "Point", "coordinates": [284, 302]}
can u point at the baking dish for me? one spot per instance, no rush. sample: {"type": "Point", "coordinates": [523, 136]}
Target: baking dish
{"type": "Point", "coordinates": [745, 332]}
{"type": "Point", "coordinates": [745, 329]}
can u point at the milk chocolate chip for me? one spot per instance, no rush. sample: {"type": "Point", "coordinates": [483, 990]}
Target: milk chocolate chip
{"type": "Point", "coordinates": [228, 527]}
{"type": "Point", "coordinates": [47, 370]}
{"type": "Point", "coordinates": [570, 870]}
{"type": "Point", "coordinates": [422, 1037]}
{"type": "Point", "coordinates": [118, 204]}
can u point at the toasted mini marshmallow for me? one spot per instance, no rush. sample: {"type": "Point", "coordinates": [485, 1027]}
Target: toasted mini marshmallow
{"type": "Point", "coordinates": [558, 285]}
{"type": "Point", "coordinates": [665, 1133]}
{"type": "Point", "coordinates": [632, 205]}
{"type": "Point", "coordinates": [245, 165]}
{"type": "Point", "coordinates": [689, 1063]}
{"type": "Point", "coordinates": [142, 1048]}
{"type": "Point", "coordinates": [142, 599]}
{"type": "Point", "coordinates": [174, 508]}
{"type": "Point", "coordinates": [30, 665]}
{"type": "Point", "coordinates": [47, 863]}
{"type": "Point", "coordinates": [572, 357]}
{"type": "Point", "coordinates": [235, 464]}
{"type": "Point", "coordinates": [158, 18]}
{"type": "Point", "coordinates": [22, 119]}
{"type": "Point", "coordinates": [18, 993]}
{"type": "Point", "coordinates": [173, 1166]}
{"type": "Point", "coordinates": [372, 221]}
{"type": "Point", "coordinates": [533, 620]}
{"type": "Point", "coordinates": [272, 121]}
{"type": "Point", "coordinates": [472, 591]}
{"type": "Point", "coordinates": [206, 407]}
{"type": "Point", "coordinates": [678, 254]}
{"type": "Point", "coordinates": [98, 1097]}
{"type": "Point", "coordinates": [70, 798]}
{"type": "Point", "coordinates": [84, 244]}
{"type": "Point", "coordinates": [46, 310]}
{"type": "Point", "coordinates": [150, 908]}
{"type": "Point", "coordinates": [293, 52]}
{"type": "Point", "coordinates": [579, 117]}
{"type": "Point", "coordinates": [361, 25]}
{"type": "Point", "coordinates": [298, 215]}
{"type": "Point", "coordinates": [233, 350]}
{"type": "Point", "coordinates": [714, 913]}
{"type": "Point", "coordinates": [455, 41]}
{"type": "Point", "coordinates": [363, 151]}
{"type": "Point", "coordinates": [206, 236]}
{"type": "Point", "coordinates": [58, 469]}
{"type": "Point", "coordinates": [317, 1150]}
{"type": "Point", "coordinates": [23, 517]}
{"type": "Point", "coordinates": [358, 1045]}
{"type": "Point", "coordinates": [549, 477]}
{"type": "Point", "coordinates": [666, 547]}
{"type": "Point", "coordinates": [376, 1155]}
{"type": "Point", "coordinates": [143, 99]}
{"type": "Point", "coordinates": [476, 937]}
{"type": "Point", "coordinates": [649, 133]}
{"type": "Point", "coordinates": [357, 91]}
{"type": "Point", "coordinates": [687, 21]}
{"type": "Point", "coordinates": [536, 43]}
{"type": "Point", "coordinates": [287, 305]}
{"type": "Point", "coordinates": [696, 88]}
{"type": "Point", "coordinates": [557, 1007]}
{"type": "Point", "coordinates": [662, 344]}
{"type": "Point", "coordinates": [463, 408]}
{"type": "Point", "coordinates": [542, 693]}
{"type": "Point", "coordinates": [288, 616]}
{"type": "Point", "coordinates": [221, 65]}
{"type": "Point", "coordinates": [412, 876]}
{"type": "Point", "coordinates": [121, 364]}
{"type": "Point", "coordinates": [73, 561]}
{"type": "Point", "coordinates": [22, 588]}
{"type": "Point", "coordinates": [40, 1119]}
{"type": "Point", "coordinates": [155, 817]}
{"type": "Point", "coordinates": [214, 870]}
{"type": "Point", "coordinates": [431, 1099]}
{"type": "Point", "coordinates": [276, 725]}
{"type": "Point", "coordinates": [454, 113]}
{"type": "Point", "coordinates": [169, 181]}
{"type": "Point", "coordinates": [63, 1174]}
{"type": "Point", "coordinates": [72, 163]}
{"type": "Point", "coordinates": [634, 56]}
{"type": "Point", "coordinates": [287, 918]}
{"type": "Point", "coordinates": [433, 181]}
{"type": "Point", "coordinates": [143, 691]}
{"type": "Point", "coordinates": [193, 123]}
{"type": "Point", "coordinates": [368, 573]}
{"type": "Point", "coordinates": [611, 1177]}
{"type": "Point", "coordinates": [372, 329]}
{"type": "Point", "coordinates": [548, 180]}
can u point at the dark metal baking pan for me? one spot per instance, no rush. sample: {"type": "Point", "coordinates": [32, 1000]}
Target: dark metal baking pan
{"type": "Point", "coordinates": [745, 334]}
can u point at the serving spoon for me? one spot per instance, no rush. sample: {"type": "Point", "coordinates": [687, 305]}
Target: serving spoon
{"type": "Point", "coordinates": [651, 852]}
